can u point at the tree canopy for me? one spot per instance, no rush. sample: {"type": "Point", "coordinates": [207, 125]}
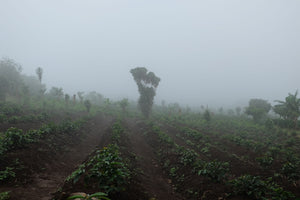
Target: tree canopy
{"type": "Point", "coordinates": [147, 83]}
{"type": "Point", "coordinates": [258, 108]}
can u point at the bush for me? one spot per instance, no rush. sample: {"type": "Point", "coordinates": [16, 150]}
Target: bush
{"type": "Point", "coordinates": [106, 169]}
{"type": "Point", "coordinates": [215, 170]}
{"type": "Point", "coordinates": [15, 138]}
{"type": "Point", "coordinates": [256, 188]}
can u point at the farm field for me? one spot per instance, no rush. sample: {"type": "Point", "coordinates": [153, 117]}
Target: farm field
{"type": "Point", "coordinates": [117, 154]}
{"type": "Point", "coordinates": [149, 100]}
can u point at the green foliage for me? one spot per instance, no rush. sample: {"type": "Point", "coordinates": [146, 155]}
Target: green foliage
{"type": "Point", "coordinates": [39, 73]}
{"type": "Point", "coordinates": [173, 171]}
{"type": "Point", "coordinates": [7, 109]}
{"type": "Point", "coordinates": [80, 96]}
{"type": "Point", "coordinates": [187, 156]}
{"type": "Point", "coordinates": [75, 176]}
{"type": "Point", "coordinates": [258, 108]}
{"type": "Point", "coordinates": [291, 170]}
{"type": "Point", "coordinates": [4, 195]}
{"type": "Point", "coordinates": [67, 99]}
{"type": "Point", "coordinates": [56, 93]}
{"type": "Point", "coordinates": [23, 119]}
{"type": "Point", "coordinates": [269, 123]}
{"type": "Point", "coordinates": [255, 187]}
{"type": "Point", "coordinates": [147, 83]}
{"type": "Point", "coordinates": [124, 103]}
{"type": "Point", "coordinates": [15, 138]}
{"type": "Point", "coordinates": [10, 78]}
{"type": "Point", "coordinates": [289, 109]}
{"type": "Point", "coordinates": [106, 169]}
{"type": "Point", "coordinates": [87, 105]}
{"type": "Point", "coordinates": [207, 116]}
{"type": "Point", "coordinates": [95, 98]}
{"type": "Point", "coordinates": [215, 170]}
{"type": "Point", "coordinates": [265, 161]}
{"type": "Point", "coordinates": [7, 174]}
{"type": "Point", "coordinates": [117, 130]}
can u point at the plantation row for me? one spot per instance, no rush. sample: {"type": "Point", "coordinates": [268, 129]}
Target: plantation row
{"type": "Point", "coordinates": [197, 176]}
{"type": "Point", "coordinates": [107, 173]}
{"type": "Point", "coordinates": [276, 159]}
{"type": "Point", "coordinates": [16, 139]}
{"type": "Point", "coordinates": [253, 143]}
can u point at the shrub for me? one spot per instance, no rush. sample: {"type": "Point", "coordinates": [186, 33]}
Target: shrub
{"type": "Point", "coordinates": [215, 170]}
{"type": "Point", "coordinates": [256, 188]}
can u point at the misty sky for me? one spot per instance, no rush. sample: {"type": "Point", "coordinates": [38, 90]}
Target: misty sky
{"type": "Point", "coordinates": [215, 52]}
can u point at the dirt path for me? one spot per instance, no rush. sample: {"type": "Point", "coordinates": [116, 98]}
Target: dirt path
{"type": "Point", "coordinates": [47, 181]}
{"type": "Point", "coordinates": [153, 180]}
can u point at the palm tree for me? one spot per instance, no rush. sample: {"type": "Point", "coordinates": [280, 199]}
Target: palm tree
{"type": "Point", "coordinates": [290, 108]}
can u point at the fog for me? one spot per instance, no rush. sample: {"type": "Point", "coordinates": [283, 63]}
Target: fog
{"type": "Point", "coordinates": [215, 53]}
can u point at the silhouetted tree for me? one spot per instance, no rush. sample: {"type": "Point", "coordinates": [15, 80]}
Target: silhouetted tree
{"type": "Point", "coordinates": [147, 83]}
{"type": "Point", "coordinates": [258, 108]}
{"type": "Point", "coordinates": [206, 115]}
{"type": "Point", "coordinates": [56, 93]}
{"type": "Point", "coordinates": [67, 99]}
{"type": "Point", "coordinates": [74, 99]}
{"type": "Point", "coordinates": [80, 96]}
{"type": "Point", "coordinates": [3, 88]}
{"type": "Point", "coordinates": [34, 86]}
{"type": "Point", "coordinates": [39, 72]}
{"type": "Point", "coordinates": [94, 97]}
{"type": "Point", "coordinates": [87, 105]}
{"type": "Point", "coordinates": [10, 78]}
{"type": "Point", "coordinates": [124, 103]}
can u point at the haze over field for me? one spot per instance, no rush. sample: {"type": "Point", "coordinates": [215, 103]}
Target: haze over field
{"type": "Point", "coordinates": [205, 52]}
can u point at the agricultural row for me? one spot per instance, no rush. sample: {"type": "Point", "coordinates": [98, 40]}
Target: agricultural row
{"type": "Point", "coordinates": [190, 157]}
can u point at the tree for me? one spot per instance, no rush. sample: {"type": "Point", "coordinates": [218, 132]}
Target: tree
{"type": "Point", "coordinates": [124, 103]}
{"type": "Point", "coordinates": [3, 88]}
{"type": "Point", "coordinates": [147, 83]}
{"type": "Point", "coordinates": [39, 72]}
{"type": "Point", "coordinates": [238, 110]}
{"type": "Point", "coordinates": [56, 93]}
{"type": "Point", "coordinates": [67, 99]}
{"type": "Point", "coordinates": [289, 109]}
{"type": "Point", "coordinates": [74, 99]}
{"type": "Point", "coordinates": [87, 105]}
{"type": "Point", "coordinates": [80, 96]}
{"type": "Point", "coordinates": [94, 97]}
{"type": "Point", "coordinates": [34, 86]}
{"type": "Point", "coordinates": [10, 75]}
{"type": "Point", "coordinates": [206, 115]}
{"type": "Point", "coordinates": [258, 108]}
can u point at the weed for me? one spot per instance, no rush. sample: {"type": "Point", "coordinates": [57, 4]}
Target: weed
{"type": "Point", "coordinates": [214, 170]}
{"type": "Point", "coordinates": [7, 173]}
{"type": "Point", "coordinates": [4, 195]}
